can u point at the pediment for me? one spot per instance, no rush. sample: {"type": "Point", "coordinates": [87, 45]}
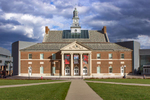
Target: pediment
{"type": "Point", "coordinates": [75, 46]}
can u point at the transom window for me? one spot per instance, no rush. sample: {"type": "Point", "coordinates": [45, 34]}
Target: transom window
{"type": "Point", "coordinates": [110, 56]}
{"type": "Point", "coordinates": [41, 56]}
{"type": "Point", "coordinates": [110, 69]}
{"type": "Point", "coordinates": [98, 56]}
{"type": "Point", "coordinates": [30, 56]}
{"type": "Point", "coordinates": [53, 56]}
{"type": "Point", "coordinates": [122, 56]}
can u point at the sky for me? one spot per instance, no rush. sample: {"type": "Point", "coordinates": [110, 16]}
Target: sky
{"type": "Point", "coordinates": [25, 20]}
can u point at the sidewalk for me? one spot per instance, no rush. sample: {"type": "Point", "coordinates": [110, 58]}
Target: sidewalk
{"type": "Point", "coordinates": [30, 84]}
{"type": "Point", "coordinates": [119, 83]}
{"type": "Point", "coordinates": [79, 90]}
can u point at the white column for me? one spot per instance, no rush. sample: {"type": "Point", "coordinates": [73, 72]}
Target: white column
{"type": "Point", "coordinates": [90, 64]}
{"type": "Point", "coordinates": [71, 64]}
{"type": "Point", "coordinates": [81, 68]}
{"type": "Point", "coordinates": [62, 64]}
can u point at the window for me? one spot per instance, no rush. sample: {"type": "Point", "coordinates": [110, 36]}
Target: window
{"type": "Point", "coordinates": [122, 56]}
{"type": "Point", "coordinates": [53, 70]}
{"type": "Point", "coordinates": [84, 70]}
{"type": "Point", "coordinates": [98, 56]}
{"type": "Point", "coordinates": [41, 70]}
{"type": "Point", "coordinates": [98, 70]}
{"type": "Point", "coordinates": [53, 56]}
{"type": "Point", "coordinates": [110, 69]}
{"type": "Point", "coordinates": [30, 56]}
{"type": "Point", "coordinates": [41, 56]}
{"type": "Point", "coordinates": [110, 56]}
{"type": "Point", "coordinates": [0, 61]}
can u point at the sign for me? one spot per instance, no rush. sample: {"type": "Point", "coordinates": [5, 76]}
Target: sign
{"type": "Point", "coordinates": [85, 59]}
{"type": "Point", "coordinates": [67, 59]}
{"type": "Point", "coordinates": [76, 59]}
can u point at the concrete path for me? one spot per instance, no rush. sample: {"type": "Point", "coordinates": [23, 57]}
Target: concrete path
{"type": "Point", "coordinates": [79, 90]}
{"type": "Point", "coordinates": [119, 83]}
{"type": "Point", "coordinates": [30, 84]}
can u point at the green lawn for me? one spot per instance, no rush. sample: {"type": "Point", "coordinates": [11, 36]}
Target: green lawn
{"type": "Point", "coordinates": [140, 81]}
{"type": "Point", "coordinates": [57, 91]}
{"type": "Point", "coordinates": [120, 92]}
{"type": "Point", "coordinates": [13, 82]}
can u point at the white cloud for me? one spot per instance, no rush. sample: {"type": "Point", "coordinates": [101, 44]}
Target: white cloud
{"type": "Point", "coordinates": [144, 40]}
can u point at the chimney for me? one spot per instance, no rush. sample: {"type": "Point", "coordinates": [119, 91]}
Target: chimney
{"type": "Point", "coordinates": [46, 29]}
{"type": "Point", "coordinates": [104, 29]}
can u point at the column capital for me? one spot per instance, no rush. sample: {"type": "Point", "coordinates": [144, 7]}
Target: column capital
{"type": "Point", "coordinates": [62, 53]}
{"type": "Point", "coordinates": [71, 53]}
{"type": "Point", "coordinates": [81, 53]}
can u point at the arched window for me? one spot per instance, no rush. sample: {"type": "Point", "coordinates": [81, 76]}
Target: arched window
{"type": "Point", "coordinates": [67, 71]}
{"type": "Point", "coordinates": [76, 70]}
{"type": "Point", "coordinates": [84, 70]}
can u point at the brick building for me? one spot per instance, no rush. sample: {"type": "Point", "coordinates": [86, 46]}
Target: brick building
{"type": "Point", "coordinates": [74, 52]}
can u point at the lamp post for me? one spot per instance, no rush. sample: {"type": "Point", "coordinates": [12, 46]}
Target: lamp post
{"type": "Point", "coordinates": [124, 71]}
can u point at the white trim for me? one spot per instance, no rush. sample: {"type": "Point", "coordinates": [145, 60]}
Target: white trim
{"type": "Point", "coordinates": [122, 62]}
{"type": "Point", "coordinates": [29, 62]}
{"type": "Point", "coordinates": [41, 62]}
{"type": "Point", "coordinates": [111, 59]}
{"type": "Point", "coordinates": [110, 62]}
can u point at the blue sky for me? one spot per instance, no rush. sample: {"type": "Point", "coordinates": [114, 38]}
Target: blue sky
{"type": "Point", "coordinates": [25, 20]}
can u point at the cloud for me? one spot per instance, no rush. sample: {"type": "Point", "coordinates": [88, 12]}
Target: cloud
{"type": "Point", "coordinates": [125, 19]}
{"type": "Point", "coordinates": [144, 41]}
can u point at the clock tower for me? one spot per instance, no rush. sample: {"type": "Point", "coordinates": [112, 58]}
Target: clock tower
{"type": "Point", "coordinates": [75, 28]}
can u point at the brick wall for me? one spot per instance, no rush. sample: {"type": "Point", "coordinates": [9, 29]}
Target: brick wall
{"type": "Point", "coordinates": [48, 64]}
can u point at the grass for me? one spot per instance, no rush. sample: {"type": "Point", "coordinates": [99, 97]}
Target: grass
{"type": "Point", "coordinates": [140, 81]}
{"type": "Point", "coordinates": [120, 92]}
{"type": "Point", "coordinates": [13, 82]}
{"type": "Point", "coordinates": [57, 91]}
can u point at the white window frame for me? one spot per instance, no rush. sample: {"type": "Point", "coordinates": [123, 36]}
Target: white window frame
{"type": "Point", "coordinates": [42, 56]}
{"type": "Point", "coordinates": [53, 70]}
{"type": "Point", "coordinates": [110, 54]}
{"type": "Point", "coordinates": [99, 55]}
{"type": "Point", "coordinates": [29, 56]}
{"type": "Point", "coordinates": [99, 69]}
{"type": "Point", "coordinates": [121, 55]}
{"type": "Point", "coordinates": [109, 70]}
{"type": "Point", "coordinates": [53, 56]}
{"type": "Point", "coordinates": [40, 70]}
{"type": "Point", "coordinates": [85, 69]}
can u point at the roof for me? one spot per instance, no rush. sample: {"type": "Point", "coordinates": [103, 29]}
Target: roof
{"type": "Point", "coordinates": [4, 51]}
{"type": "Point", "coordinates": [57, 36]}
{"type": "Point", "coordinates": [93, 46]}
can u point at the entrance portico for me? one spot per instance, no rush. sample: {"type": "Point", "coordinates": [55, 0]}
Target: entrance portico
{"type": "Point", "coordinates": [72, 64]}
{"type": "Point", "coordinates": [75, 49]}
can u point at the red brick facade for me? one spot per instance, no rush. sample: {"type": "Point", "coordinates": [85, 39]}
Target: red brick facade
{"type": "Point", "coordinates": [104, 62]}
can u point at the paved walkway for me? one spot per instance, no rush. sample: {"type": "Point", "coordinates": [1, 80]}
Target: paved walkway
{"type": "Point", "coordinates": [79, 90]}
{"type": "Point", "coordinates": [119, 83]}
{"type": "Point", "coordinates": [30, 84]}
